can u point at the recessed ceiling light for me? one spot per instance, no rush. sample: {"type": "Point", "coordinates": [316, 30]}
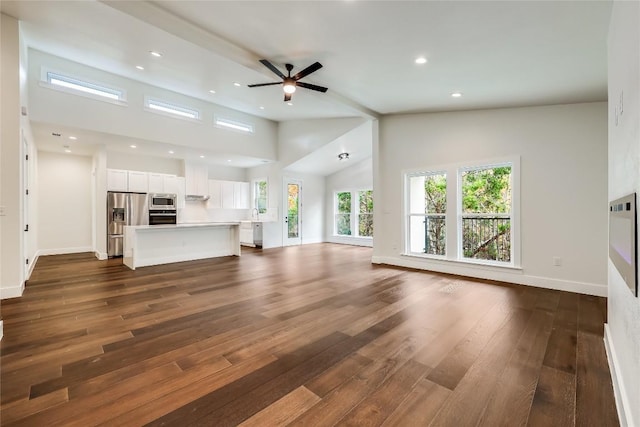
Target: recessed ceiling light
{"type": "Point", "coordinates": [456, 94]}
{"type": "Point", "coordinates": [171, 151]}
{"type": "Point", "coordinates": [133, 146]}
{"type": "Point", "coordinates": [289, 103]}
{"type": "Point", "coordinates": [73, 138]}
{"type": "Point", "coordinates": [67, 150]}
{"type": "Point", "coordinates": [261, 107]}
{"type": "Point", "coordinates": [201, 156]}
{"type": "Point", "coordinates": [228, 160]}
{"type": "Point", "coordinates": [421, 60]}
{"type": "Point", "coordinates": [156, 54]}
{"type": "Point", "coordinates": [212, 91]}
{"type": "Point", "coordinates": [236, 84]}
{"type": "Point", "coordinates": [139, 67]}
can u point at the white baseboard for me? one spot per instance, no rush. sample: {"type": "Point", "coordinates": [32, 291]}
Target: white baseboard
{"type": "Point", "coordinates": [355, 241]}
{"type": "Point", "coordinates": [311, 241]}
{"type": "Point", "coordinates": [1, 330]}
{"type": "Point", "coordinates": [62, 251]}
{"type": "Point", "coordinates": [12, 292]}
{"type": "Point", "coordinates": [494, 273]}
{"type": "Point", "coordinates": [622, 400]}
{"type": "Point", "coordinates": [101, 255]}
{"type": "Point", "coordinates": [32, 264]}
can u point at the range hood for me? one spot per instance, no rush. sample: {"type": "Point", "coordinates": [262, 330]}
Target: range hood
{"type": "Point", "coordinates": [196, 198]}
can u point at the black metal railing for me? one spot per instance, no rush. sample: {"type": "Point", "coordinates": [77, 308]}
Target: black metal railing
{"type": "Point", "coordinates": [487, 237]}
{"type": "Point", "coordinates": [435, 236]}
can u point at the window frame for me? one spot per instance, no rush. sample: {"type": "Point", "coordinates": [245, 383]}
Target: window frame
{"type": "Point", "coordinates": [46, 75]}
{"type": "Point", "coordinates": [453, 248]}
{"type": "Point", "coordinates": [354, 214]}
{"type": "Point", "coordinates": [149, 100]}
{"type": "Point", "coordinates": [233, 125]}
{"type": "Point", "coordinates": [254, 199]}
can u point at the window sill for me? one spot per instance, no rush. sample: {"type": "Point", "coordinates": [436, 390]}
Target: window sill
{"type": "Point", "coordinates": [466, 263]}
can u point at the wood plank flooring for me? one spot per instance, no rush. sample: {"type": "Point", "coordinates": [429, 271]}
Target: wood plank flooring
{"type": "Point", "coordinates": [313, 335]}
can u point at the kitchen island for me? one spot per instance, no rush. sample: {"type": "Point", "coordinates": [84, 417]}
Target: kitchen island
{"type": "Point", "coordinates": [163, 244]}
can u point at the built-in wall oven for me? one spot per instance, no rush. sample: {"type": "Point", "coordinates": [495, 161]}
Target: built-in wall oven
{"type": "Point", "coordinates": [162, 216]}
{"type": "Point", "coordinates": [162, 209]}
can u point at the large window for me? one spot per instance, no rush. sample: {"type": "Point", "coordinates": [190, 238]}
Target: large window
{"type": "Point", "coordinates": [469, 218]}
{"type": "Point", "coordinates": [365, 213]}
{"type": "Point", "coordinates": [427, 213]}
{"type": "Point", "coordinates": [343, 213]}
{"type": "Point", "coordinates": [353, 213]}
{"type": "Point", "coordinates": [486, 213]}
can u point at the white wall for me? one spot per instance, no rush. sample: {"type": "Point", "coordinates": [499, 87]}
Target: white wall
{"type": "Point", "coordinates": [563, 186]}
{"type": "Point", "coordinates": [118, 160]}
{"type": "Point", "coordinates": [358, 176]}
{"type": "Point", "coordinates": [65, 203]}
{"type": "Point", "coordinates": [622, 332]}
{"type": "Point", "coordinates": [11, 243]}
{"type": "Point", "coordinates": [297, 138]}
{"type": "Point", "coordinates": [132, 120]}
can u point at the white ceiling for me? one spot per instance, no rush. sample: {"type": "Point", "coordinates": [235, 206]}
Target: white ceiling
{"type": "Point", "coordinates": [497, 53]}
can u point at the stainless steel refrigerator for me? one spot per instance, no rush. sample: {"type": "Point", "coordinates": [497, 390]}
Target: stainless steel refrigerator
{"type": "Point", "coordinates": [124, 209]}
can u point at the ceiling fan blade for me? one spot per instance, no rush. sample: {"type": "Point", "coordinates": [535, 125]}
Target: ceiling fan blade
{"type": "Point", "coordinates": [265, 84]}
{"type": "Point", "coordinates": [287, 97]}
{"type": "Point", "coordinates": [272, 67]}
{"type": "Point", "coordinates": [312, 87]}
{"type": "Point", "coordinates": [310, 69]}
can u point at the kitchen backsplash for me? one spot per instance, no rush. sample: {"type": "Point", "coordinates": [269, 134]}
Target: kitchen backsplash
{"type": "Point", "coordinates": [197, 212]}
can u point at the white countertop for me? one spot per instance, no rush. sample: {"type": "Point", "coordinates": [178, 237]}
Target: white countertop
{"type": "Point", "coordinates": [183, 225]}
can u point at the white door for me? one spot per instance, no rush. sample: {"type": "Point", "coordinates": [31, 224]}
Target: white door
{"type": "Point", "coordinates": [292, 212]}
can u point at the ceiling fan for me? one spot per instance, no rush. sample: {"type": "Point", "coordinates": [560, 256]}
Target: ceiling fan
{"type": "Point", "coordinates": [289, 82]}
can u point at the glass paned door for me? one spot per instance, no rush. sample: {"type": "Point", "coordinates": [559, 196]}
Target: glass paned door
{"type": "Point", "coordinates": [292, 212]}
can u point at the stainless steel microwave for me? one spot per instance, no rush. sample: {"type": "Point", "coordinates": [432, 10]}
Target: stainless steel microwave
{"type": "Point", "coordinates": [162, 201]}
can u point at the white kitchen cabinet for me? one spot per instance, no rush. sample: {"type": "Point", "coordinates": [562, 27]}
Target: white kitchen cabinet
{"type": "Point", "coordinates": [241, 195]}
{"type": "Point", "coordinates": [177, 186]}
{"type": "Point", "coordinates": [156, 183]}
{"type": "Point", "coordinates": [117, 180]}
{"type": "Point", "coordinates": [162, 183]}
{"type": "Point", "coordinates": [196, 179]}
{"type": "Point", "coordinates": [138, 182]}
{"type": "Point", "coordinates": [228, 193]}
{"type": "Point", "coordinates": [215, 194]}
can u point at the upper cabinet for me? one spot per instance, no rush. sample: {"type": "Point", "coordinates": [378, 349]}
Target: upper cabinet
{"type": "Point", "coordinates": [196, 179]}
{"type": "Point", "coordinates": [138, 182]}
{"type": "Point", "coordinates": [142, 182]}
{"type": "Point", "coordinates": [162, 183]}
{"type": "Point", "coordinates": [117, 180]}
{"type": "Point", "coordinates": [228, 195]}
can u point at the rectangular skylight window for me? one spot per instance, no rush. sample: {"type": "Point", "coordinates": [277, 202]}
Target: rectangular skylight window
{"type": "Point", "coordinates": [74, 84]}
{"type": "Point", "coordinates": [173, 109]}
{"type": "Point", "coordinates": [231, 124]}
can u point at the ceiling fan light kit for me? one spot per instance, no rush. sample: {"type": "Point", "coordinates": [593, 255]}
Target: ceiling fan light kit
{"type": "Point", "coordinates": [343, 156]}
{"type": "Point", "coordinates": [290, 83]}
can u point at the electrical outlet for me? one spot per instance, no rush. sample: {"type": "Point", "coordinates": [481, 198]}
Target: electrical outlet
{"type": "Point", "coordinates": [557, 261]}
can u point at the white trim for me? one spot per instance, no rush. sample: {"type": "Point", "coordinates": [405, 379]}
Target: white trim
{"type": "Point", "coordinates": [32, 264]}
{"type": "Point", "coordinates": [351, 240]}
{"type": "Point", "coordinates": [1, 329]}
{"type": "Point", "coordinates": [119, 92]}
{"type": "Point", "coordinates": [501, 274]}
{"type": "Point", "coordinates": [171, 109]}
{"type": "Point", "coordinates": [233, 125]}
{"type": "Point", "coordinates": [62, 251]}
{"type": "Point", "coordinates": [12, 292]}
{"type": "Point", "coordinates": [101, 255]}
{"type": "Point", "coordinates": [623, 405]}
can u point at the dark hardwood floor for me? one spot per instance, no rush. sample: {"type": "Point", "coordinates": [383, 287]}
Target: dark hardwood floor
{"type": "Point", "coordinates": [306, 336]}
